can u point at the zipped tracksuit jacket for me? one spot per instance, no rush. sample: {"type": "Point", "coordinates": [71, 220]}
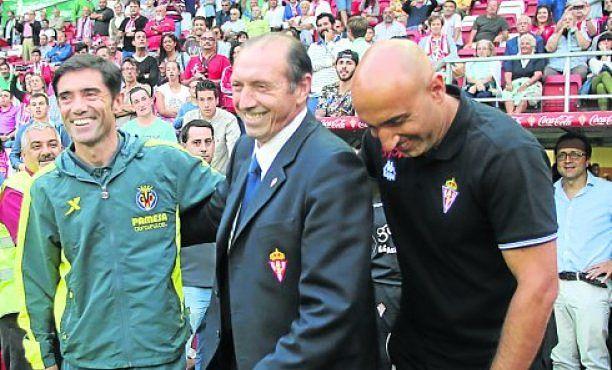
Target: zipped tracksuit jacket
{"type": "Point", "coordinates": [98, 256]}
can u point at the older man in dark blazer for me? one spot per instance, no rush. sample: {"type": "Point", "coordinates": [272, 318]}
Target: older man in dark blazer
{"type": "Point", "coordinates": [293, 287]}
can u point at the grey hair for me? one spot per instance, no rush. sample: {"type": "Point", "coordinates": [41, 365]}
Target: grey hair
{"type": "Point", "coordinates": [298, 61]}
{"type": "Point", "coordinates": [36, 126]}
{"type": "Point", "coordinates": [530, 37]}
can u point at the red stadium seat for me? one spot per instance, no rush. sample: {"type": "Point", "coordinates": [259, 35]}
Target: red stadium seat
{"type": "Point", "coordinates": [554, 85]}
{"type": "Point", "coordinates": [479, 9]}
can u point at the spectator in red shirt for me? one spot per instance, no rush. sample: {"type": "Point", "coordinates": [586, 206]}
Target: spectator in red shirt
{"type": "Point", "coordinates": [207, 65]}
{"type": "Point", "coordinates": [543, 24]}
{"type": "Point", "coordinates": [157, 27]}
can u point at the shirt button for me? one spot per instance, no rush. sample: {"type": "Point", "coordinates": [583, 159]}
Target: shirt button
{"type": "Point", "coordinates": [216, 293]}
{"type": "Point", "coordinates": [218, 333]}
{"type": "Point", "coordinates": [71, 294]}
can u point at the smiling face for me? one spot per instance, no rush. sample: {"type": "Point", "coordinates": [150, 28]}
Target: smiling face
{"type": "Point", "coordinates": [542, 15]}
{"type": "Point", "coordinates": [141, 101]}
{"type": "Point", "coordinates": [526, 45]}
{"type": "Point", "coordinates": [572, 169]}
{"type": "Point", "coordinates": [262, 92]}
{"type": "Point", "coordinates": [42, 146]}
{"type": "Point", "coordinates": [87, 106]}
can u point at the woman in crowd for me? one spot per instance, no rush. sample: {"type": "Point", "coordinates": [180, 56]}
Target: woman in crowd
{"type": "Point", "coordinates": [170, 51]}
{"type": "Point", "coordinates": [482, 77]}
{"type": "Point", "coordinates": [601, 68]}
{"type": "Point", "coordinates": [170, 96]}
{"type": "Point", "coordinates": [543, 23]}
{"type": "Point", "coordinates": [523, 80]}
{"type": "Point", "coordinates": [226, 83]}
{"type": "Point", "coordinates": [370, 9]}
{"type": "Point", "coordinates": [437, 45]}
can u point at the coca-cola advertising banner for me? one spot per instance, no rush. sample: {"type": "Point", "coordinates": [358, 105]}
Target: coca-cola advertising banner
{"type": "Point", "coordinates": [527, 120]}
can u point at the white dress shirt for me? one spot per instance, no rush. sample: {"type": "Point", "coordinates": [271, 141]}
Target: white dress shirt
{"type": "Point", "coordinates": [267, 152]}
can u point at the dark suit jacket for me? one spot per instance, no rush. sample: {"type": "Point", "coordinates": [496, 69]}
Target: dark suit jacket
{"type": "Point", "coordinates": [35, 31]}
{"type": "Point", "coordinates": [314, 207]}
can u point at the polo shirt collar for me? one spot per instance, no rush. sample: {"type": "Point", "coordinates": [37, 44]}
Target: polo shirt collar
{"type": "Point", "coordinates": [454, 139]}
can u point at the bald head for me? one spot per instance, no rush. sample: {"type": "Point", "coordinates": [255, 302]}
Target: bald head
{"type": "Point", "coordinates": [399, 66]}
{"type": "Point", "coordinates": [396, 92]}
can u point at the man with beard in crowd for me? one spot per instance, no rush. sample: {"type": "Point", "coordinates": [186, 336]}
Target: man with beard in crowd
{"type": "Point", "coordinates": [335, 100]}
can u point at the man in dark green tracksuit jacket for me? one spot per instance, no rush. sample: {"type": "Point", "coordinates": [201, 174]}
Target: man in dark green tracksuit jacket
{"type": "Point", "coordinates": [98, 246]}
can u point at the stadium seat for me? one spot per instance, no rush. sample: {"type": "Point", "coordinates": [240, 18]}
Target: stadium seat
{"type": "Point", "coordinates": [511, 20]}
{"type": "Point", "coordinates": [553, 86]}
{"type": "Point", "coordinates": [516, 7]}
{"type": "Point", "coordinates": [478, 9]}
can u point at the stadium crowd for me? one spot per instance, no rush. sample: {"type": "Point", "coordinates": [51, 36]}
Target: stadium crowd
{"type": "Point", "coordinates": [176, 60]}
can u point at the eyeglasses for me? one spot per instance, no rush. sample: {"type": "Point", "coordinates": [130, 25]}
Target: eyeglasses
{"type": "Point", "coordinates": [578, 7]}
{"type": "Point", "coordinates": [207, 38]}
{"type": "Point", "coordinates": [574, 156]}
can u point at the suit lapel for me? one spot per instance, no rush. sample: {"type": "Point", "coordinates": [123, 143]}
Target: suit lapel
{"type": "Point", "coordinates": [275, 177]}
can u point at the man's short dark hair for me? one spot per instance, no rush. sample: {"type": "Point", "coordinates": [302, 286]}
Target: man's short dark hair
{"type": "Point", "coordinates": [134, 2]}
{"type": "Point", "coordinates": [111, 75]}
{"type": "Point", "coordinates": [207, 85]}
{"type": "Point", "coordinates": [452, 2]}
{"type": "Point", "coordinates": [198, 18]}
{"type": "Point", "coordinates": [38, 95]}
{"type": "Point", "coordinates": [358, 26]}
{"type": "Point", "coordinates": [36, 50]}
{"type": "Point", "coordinates": [184, 135]}
{"type": "Point", "coordinates": [136, 89]}
{"type": "Point", "coordinates": [130, 60]}
{"type": "Point", "coordinates": [329, 16]}
{"type": "Point", "coordinates": [298, 61]}
{"type": "Point", "coordinates": [575, 136]}
{"type": "Point", "coordinates": [81, 46]}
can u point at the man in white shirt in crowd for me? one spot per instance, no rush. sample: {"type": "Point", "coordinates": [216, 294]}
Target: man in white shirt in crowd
{"type": "Point", "coordinates": [323, 55]}
{"type": "Point", "coordinates": [274, 16]}
{"type": "Point", "coordinates": [389, 27]}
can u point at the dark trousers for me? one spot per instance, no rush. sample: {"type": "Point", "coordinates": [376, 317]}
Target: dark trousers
{"type": "Point", "coordinates": [11, 343]}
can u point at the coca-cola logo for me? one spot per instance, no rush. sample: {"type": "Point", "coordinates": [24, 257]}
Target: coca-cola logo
{"type": "Point", "coordinates": [597, 120]}
{"type": "Point", "coordinates": [343, 123]}
{"type": "Point", "coordinates": [561, 120]}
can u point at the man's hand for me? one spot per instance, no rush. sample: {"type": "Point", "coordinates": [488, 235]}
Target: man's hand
{"type": "Point", "coordinates": [21, 167]}
{"type": "Point", "coordinates": [54, 367]}
{"type": "Point", "coordinates": [603, 268]}
{"type": "Point", "coordinates": [523, 88]}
